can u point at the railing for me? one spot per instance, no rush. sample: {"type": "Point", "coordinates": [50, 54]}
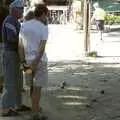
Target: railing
{"type": "Point", "coordinates": [58, 14]}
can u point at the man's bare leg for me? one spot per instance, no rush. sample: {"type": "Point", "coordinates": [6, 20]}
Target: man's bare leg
{"type": "Point", "coordinates": [100, 35]}
{"type": "Point", "coordinates": [36, 94]}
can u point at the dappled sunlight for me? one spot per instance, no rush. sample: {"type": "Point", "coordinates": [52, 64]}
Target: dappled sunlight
{"type": "Point", "coordinates": [77, 89]}
{"type": "Point", "coordinates": [72, 66]}
{"type": "Point", "coordinates": [112, 66]}
{"type": "Point", "coordinates": [74, 88]}
{"type": "Point", "coordinates": [80, 73]}
{"type": "Point", "coordinates": [73, 103]}
{"type": "Point", "coordinates": [103, 74]}
{"type": "Point", "coordinates": [84, 65]}
{"type": "Point", "coordinates": [87, 66]}
{"type": "Point", "coordinates": [66, 88]}
{"type": "Point", "coordinates": [88, 90]}
{"type": "Point", "coordinates": [63, 68]}
{"type": "Point", "coordinates": [52, 88]}
{"type": "Point", "coordinates": [71, 96]}
{"type": "Point", "coordinates": [57, 70]}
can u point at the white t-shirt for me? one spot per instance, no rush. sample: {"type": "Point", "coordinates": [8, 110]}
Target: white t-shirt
{"type": "Point", "coordinates": [31, 33]}
{"type": "Point", "coordinates": [99, 14]}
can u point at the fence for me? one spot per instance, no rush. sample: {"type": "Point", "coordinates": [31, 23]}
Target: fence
{"type": "Point", "coordinates": [58, 14]}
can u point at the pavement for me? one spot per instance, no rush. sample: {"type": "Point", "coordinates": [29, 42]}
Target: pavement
{"type": "Point", "coordinates": [65, 43]}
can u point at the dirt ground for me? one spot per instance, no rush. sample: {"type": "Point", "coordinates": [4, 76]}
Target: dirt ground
{"type": "Point", "coordinates": [91, 91]}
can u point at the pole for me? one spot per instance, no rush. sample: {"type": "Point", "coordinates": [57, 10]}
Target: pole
{"type": "Point", "coordinates": [86, 26]}
{"type": "Point", "coordinates": [89, 23]}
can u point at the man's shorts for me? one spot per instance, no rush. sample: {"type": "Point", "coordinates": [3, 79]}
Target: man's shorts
{"type": "Point", "coordinates": [41, 76]}
{"type": "Point", "coordinates": [100, 24]}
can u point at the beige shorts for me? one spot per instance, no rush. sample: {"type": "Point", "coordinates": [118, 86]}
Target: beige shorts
{"type": "Point", "coordinates": [41, 76]}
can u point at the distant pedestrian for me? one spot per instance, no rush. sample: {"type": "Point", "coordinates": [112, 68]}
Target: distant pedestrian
{"type": "Point", "coordinates": [99, 17]}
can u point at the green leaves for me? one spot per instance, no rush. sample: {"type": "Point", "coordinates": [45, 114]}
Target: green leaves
{"type": "Point", "coordinates": [112, 19]}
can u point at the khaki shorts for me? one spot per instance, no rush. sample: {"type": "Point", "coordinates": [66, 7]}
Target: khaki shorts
{"type": "Point", "coordinates": [41, 76]}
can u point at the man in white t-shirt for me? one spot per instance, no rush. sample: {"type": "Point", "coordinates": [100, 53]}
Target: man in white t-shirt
{"type": "Point", "coordinates": [99, 17]}
{"type": "Point", "coordinates": [33, 38]}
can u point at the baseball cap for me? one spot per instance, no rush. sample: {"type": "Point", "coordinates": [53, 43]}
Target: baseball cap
{"type": "Point", "coordinates": [17, 4]}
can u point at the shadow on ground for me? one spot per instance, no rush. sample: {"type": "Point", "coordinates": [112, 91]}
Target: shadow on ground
{"type": "Point", "coordinates": [91, 91]}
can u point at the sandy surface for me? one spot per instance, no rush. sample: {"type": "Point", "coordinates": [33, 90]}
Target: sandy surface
{"type": "Point", "coordinates": [82, 98]}
{"type": "Point", "coordinates": [91, 91]}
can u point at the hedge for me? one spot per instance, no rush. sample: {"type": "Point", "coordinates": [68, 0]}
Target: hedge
{"type": "Point", "coordinates": [112, 19]}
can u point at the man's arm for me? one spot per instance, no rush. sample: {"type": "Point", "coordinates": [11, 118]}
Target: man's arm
{"type": "Point", "coordinates": [93, 17]}
{"type": "Point", "coordinates": [21, 50]}
{"type": "Point", "coordinates": [41, 51]}
{"type": "Point", "coordinates": [11, 31]}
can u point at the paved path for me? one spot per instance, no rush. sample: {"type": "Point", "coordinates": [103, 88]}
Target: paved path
{"type": "Point", "coordinates": [66, 44]}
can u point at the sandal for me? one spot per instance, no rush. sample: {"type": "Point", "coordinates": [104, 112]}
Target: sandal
{"type": "Point", "coordinates": [10, 113]}
{"type": "Point", "coordinates": [23, 108]}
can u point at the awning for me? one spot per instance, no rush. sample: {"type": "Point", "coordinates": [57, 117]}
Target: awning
{"type": "Point", "coordinates": [113, 7]}
{"type": "Point", "coordinates": [110, 6]}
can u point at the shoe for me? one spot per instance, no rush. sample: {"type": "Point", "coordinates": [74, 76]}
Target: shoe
{"type": "Point", "coordinates": [10, 113]}
{"type": "Point", "coordinates": [23, 108]}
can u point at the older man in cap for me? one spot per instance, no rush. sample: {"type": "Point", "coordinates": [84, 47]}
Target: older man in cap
{"type": "Point", "coordinates": [11, 98]}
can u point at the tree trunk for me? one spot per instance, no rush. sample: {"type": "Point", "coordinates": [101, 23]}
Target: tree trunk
{"type": "Point", "coordinates": [86, 26]}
